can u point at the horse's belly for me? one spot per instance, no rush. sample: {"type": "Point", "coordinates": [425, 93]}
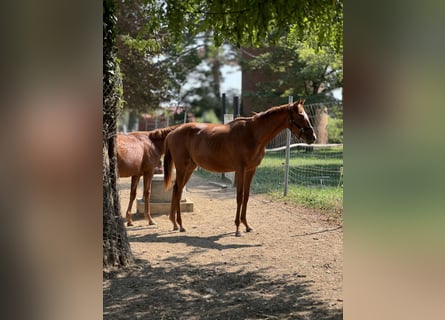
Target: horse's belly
{"type": "Point", "coordinates": [129, 167]}
{"type": "Point", "coordinates": [129, 159]}
{"type": "Point", "coordinates": [215, 164]}
{"type": "Point", "coordinates": [128, 171]}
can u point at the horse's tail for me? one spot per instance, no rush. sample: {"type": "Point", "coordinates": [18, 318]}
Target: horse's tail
{"type": "Point", "coordinates": [168, 167]}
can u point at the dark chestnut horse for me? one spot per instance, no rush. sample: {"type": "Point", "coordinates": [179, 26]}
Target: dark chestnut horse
{"type": "Point", "coordinates": [138, 154]}
{"type": "Point", "coordinates": [236, 146]}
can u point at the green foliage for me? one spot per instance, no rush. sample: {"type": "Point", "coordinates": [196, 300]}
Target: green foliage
{"type": "Point", "coordinates": [199, 60]}
{"type": "Point", "coordinates": [242, 23]}
{"type": "Point", "coordinates": [296, 69]}
{"type": "Point", "coordinates": [157, 49]}
{"type": "Point", "coordinates": [141, 45]}
{"type": "Point", "coordinates": [209, 117]}
{"type": "Point", "coordinates": [324, 29]}
{"type": "Point", "coordinates": [112, 84]}
{"type": "Point", "coordinates": [144, 80]}
{"type": "Point", "coordinates": [250, 23]}
{"type": "Point", "coordinates": [335, 130]}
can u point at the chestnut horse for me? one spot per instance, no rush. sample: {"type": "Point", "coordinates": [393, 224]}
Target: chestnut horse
{"type": "Point", "coordinates": [138, 154]}
{"type": "Point", "coordinates": [236, 146]}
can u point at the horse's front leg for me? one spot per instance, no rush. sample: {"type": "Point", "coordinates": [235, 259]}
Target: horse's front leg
{"type": "Point", "coordinates": [246, 192]}
{"type": "Point", "coordinates": [147, 190]}
{"type": "Point", "coordinates": [239, 178]}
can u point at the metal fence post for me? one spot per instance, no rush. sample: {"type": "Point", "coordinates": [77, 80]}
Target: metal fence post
{"type": "Point", "coordinates": [236, 109]}
{"type": "Point", "coordinates": [223, 106]}
{"type": "Point", "coordinates": [223, 111]}
{"type": "Point", "coordinates": [286, 166]}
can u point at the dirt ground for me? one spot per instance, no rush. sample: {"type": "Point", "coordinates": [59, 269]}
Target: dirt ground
{"type": "Point", "coordinates": [289, 267]}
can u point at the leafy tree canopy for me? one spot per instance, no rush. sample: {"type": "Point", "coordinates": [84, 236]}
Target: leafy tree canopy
{"type": "Point", "coordinates": [251, 23]}
{"type": "Point", "coordinates": [157, 39]}
{"type": "Point", "coordinates": [295, 67]}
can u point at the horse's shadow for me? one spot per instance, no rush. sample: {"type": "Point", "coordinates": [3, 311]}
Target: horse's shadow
{"type": "Point", "coordinates": [193, 241]}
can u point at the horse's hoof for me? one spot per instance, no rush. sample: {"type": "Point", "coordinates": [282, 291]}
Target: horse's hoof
{"type": "Point", "coordinates": [238, 234]}
{"type": "Point", "coordinates": [152, 223]}
{"type": "Point", "coordinates": [129, 224]}
{"type": "Point", "coordinates": [181, 229]}
{"type": "Point", "coordinates": [248, 229]}
{"type": "Point", "coordinates": [175, 228]}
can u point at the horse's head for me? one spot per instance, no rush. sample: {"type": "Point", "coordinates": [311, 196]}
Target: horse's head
{"type": "Point", "coordinates": [299, 122]}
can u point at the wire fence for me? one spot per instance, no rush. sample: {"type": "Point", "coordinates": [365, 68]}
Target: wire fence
{"type": "Point", "coordinates": [315, 166]}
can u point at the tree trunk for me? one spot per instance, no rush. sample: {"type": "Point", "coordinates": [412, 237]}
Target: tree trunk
{"type": "Point", "coordinates": [116, 249]}
{"type": "Point", "coordinates": [321, 122]}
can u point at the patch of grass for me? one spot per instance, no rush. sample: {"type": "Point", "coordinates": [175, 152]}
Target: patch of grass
{"type": "Point", "coordinates": [325, 199]}
{"type": "Point", "coordinates": [315, 178]}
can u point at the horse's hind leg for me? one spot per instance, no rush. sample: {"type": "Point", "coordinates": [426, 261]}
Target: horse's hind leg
{"type": "Point", "coordinates": [182, 177]}
{"type": "Point", "coordinates": [173, 207]}
{"type": "Point", "coordinates": [134, 185]}
{"type": "Point", "coordinates": [147, 190]}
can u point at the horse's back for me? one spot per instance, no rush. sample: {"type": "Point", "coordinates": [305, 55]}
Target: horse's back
{"type": "Point", "coordinates": [130, 152]}
{"type": "Point", "coordinates": [218, 148]}
{"type": "Point", "coordinates": [199, 135]}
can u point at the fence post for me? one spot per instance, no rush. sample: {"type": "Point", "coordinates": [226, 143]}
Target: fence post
{"type": "Point", "coordinates": [236, 109]}
{"type": "Point", "coordinates": [286, 166]}
{"type": "Point", "coordinates": [223, 106]}
{"type": "Point", "coordinates": [223, 111]}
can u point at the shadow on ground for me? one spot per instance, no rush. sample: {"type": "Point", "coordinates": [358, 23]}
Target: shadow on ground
{"type": "Point", "coordinates": [189, 292]}
{"type": "Point", "coordinates": [179, 289]}
{"type": "Point", "coordinates": [219, 290]}
{"type": "Point", "coordinates": [193, 241]}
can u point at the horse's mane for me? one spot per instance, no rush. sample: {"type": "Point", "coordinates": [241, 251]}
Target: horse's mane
{"type": "Point", "coordinates": [256, 115]}
{"type": "Point", "coordinates": [161, 133]}
{"type": "Point", "coordinates": [239, 119]}
{"type": "Point", "coordinates": [270, 111]}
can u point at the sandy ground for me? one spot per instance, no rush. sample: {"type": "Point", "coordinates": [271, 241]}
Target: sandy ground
{"type": "Point", "coordinates": [289, 267]}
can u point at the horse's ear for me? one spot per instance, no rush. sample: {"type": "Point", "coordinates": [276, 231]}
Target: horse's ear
{"type": "Point", "coordinates": [300, 108]}
{"type": "Point", "coordinates": [300, 103]}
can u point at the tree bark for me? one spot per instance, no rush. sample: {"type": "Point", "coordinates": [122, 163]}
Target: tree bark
{"type": "Point", "coordinates": [116, 248]}
{"type": "Point", "coordinates": [321, 120]}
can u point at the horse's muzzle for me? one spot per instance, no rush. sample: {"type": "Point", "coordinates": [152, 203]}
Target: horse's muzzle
{"type": "Point", "coordinates": [311, 139]}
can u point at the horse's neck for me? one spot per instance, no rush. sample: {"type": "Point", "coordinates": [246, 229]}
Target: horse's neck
{"type": "Point", "coordinates": [160, 134]}
{"type": "Point", "coordinates": [158, 137]}
{"type": "Point", "coordinates": [159, 144]}
{"type": "Point", "coordinates": [268, 125]}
